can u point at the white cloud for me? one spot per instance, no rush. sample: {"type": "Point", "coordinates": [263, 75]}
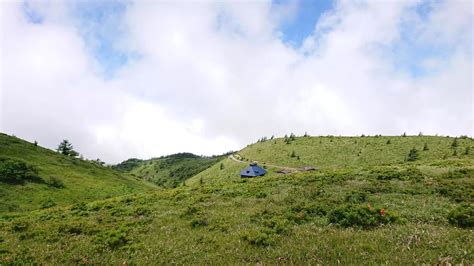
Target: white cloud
{"type": "Point", "coordinates": [211, 77]}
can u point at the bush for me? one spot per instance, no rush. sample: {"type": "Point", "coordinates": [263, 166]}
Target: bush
{"type": "Point", "coordinates": [199, 222]}
{"type": "Point", "coordinates": [462, 216]}
{"type": "Point", "coordinates": [258, 239]}
{"type": "Point", "coordinates": [361, 216]}
{"type": "Point", "coordinates": [389, 173]}
{"type": "Point", "coordinates": [16, 171]}
{"type": "Point", "coordinates": [413, 155]}
{"type": "Point", "coordinates": [55, 182]}
{"type": "Point", "coordinates": [356, 197]}
{"type": "Point", "coordinates": [47, 204]}
{"type": "Point", "coordinates": [112, 238]}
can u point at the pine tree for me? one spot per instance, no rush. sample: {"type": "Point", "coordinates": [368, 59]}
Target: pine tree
{"type": "Point", "coordinates": [292, 136]}
{"type": "Point", "coordinates": [467, 150]}
{"type": "Point", "coordinates": [413, 155]}
{"type": "Point", "coordinates": [389, 142]}
{"type": "Point", "coordinates": [425, 147]}
{"type": "Point", "coordinates": [222, 166]}
{"type": "Point", "coordinates": [455, 143]}
{"type": "Point", "coordinates": [404, 134]}
{"type": "Point", "coordinates": [66, 148]}
{"type": "Point", "coordinates": [35, 143]}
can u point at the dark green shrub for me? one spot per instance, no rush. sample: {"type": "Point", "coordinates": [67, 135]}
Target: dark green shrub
{"type": "Point", "coordinates": [199, 222]}
{"type": "Point", "coordinates": [47, 204]}
{"type": "Point", "coordinates": [361, 216]}
{"type": "Point", "coordinates": [455, 143]}
{"type": "Point", "coordinates": [258, 239]}
{"type": "Point", "coordinates": [425, 147]}
{"type": "Point", "coordinates": [356, 197]}
{"type": "Point", "coordinates": [19, 226]}
{"type": "Point", "coordinates": [55, 182]}
{"type": "Point", "coordinates": [390, 173]}
{"type": "Point", "coordinates": [456, 191]}
{"type": "Point", "coordinates": [413, 155]}
{"type": "Point", "coordinates": [112, 238]}
{"type": "Point", "coordinates": [460, 173]}
{"type": "Point", "coordinates": [386, 173]}
{"type": "Point", "coordinates": [462, 216]}
{"type": "Point", "coordinates": [17, 171]}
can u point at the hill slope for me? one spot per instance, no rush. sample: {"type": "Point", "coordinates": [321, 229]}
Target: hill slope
{"type": "Point", "coordinates": [417, 212]}
{"type": "Point", "coordinates": [168, 171]}
{"type": "Point", "coordinates": [60, 180]}
{"type": "Point", "coordinates": [327, 153]}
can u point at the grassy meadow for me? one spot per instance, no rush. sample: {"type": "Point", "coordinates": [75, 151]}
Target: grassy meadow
{"type": "Point", "coordinates": [60, 180]}
{"type": "Point", "coordinates": [168, 171]}
{"type": "Point", "coordinates": [365, 205]}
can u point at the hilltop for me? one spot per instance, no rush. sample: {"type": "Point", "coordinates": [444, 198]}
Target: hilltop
{"type": "Point", "coordinates": [329, 152]}
{"type": "Point", "coordinates": [381, 209]}
{"type": "Point", "coordinates": [56, 180]}
{"type": "Point", "coordinates": [168, 171]}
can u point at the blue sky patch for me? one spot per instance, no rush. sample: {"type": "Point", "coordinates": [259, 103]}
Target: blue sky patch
{"type": "Point", "coordinates": [303, 24]}
{"type": "Point", "coordinates": [31, 15]}
{"type": "Point", "coordinates": [101, 27]}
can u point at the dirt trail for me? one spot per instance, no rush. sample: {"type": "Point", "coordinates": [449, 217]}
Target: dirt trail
{"type": "Point", "coordinates": [271, 165]}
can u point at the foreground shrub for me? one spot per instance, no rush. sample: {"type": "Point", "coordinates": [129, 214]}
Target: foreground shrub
{"type": "Point", "coordinates": [462, 216]}
{"type": "Point", "coordinates": [258, 238]}
{"type": "Point", "coordinates": [390, 173]}
{"type": "Point", "coordinates": [16, 171]}
{"type": "Point", "coordinates": [55, 182]}
{"type": "Point", "coordinates": [356, 197]}
{"type": "Point", "coordinates": [361, 216]}
{"type": "Point", "coordinates": [112, 238]}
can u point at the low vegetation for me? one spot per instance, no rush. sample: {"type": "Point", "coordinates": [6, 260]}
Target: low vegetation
{"type": "Point", "coordinates": [168, 171]}
{"type": "Point", "coordinates": [31, 175]}
{"type": "Point", "coordinates": [395, 212]}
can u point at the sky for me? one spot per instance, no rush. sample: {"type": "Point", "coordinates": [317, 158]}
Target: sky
{"type": "Point", "coordinates": [141, 79]}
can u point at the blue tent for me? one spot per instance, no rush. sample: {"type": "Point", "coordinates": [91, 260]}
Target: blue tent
{"type": "Point", "coordinates": [252, 170]}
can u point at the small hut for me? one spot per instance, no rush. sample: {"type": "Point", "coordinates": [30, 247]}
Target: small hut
{"type": "Point", "coordinates": [252, 170]}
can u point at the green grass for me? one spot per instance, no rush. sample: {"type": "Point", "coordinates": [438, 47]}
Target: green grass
{"type": "Point", "coordinates": [168, 171]}
{"type": "Point", "coordinates": [340, 152]}
{"type": "Point", "coordinates": [220, 218]}
{"type": "Point", "coordinates": [81, 180]}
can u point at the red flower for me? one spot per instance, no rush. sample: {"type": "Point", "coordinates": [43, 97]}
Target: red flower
{"type": "Point", "coordinates": [382, 212]}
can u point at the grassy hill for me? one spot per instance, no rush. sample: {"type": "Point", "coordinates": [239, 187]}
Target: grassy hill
{"type": "Point", "coordinates": [338, 153]}
{"type": "Point", "coordinates": [168, 171]}
{"type": "Point", "coordinates": [56, 180]}
{"type": "Point", "coordinates": [381, 210]}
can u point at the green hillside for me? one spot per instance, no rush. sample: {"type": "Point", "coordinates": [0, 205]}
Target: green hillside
{"type": "Point", "coordinates": [168, 171]}
{"type": "Point", "coordinates": [342, 153]}
{"type": "Point", "coordinates": [337, 152]}
{"type": "Point", "coordinates": [56, 180]}
{"type": "Point", "coordinates": [395, 212]}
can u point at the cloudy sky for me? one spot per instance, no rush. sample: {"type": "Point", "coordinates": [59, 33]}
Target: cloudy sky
{"type": "Point", "coordinates": [123, 79]}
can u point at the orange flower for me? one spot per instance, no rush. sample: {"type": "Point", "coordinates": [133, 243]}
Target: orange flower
{"type": "Point", "coordinates": [382, 212]}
